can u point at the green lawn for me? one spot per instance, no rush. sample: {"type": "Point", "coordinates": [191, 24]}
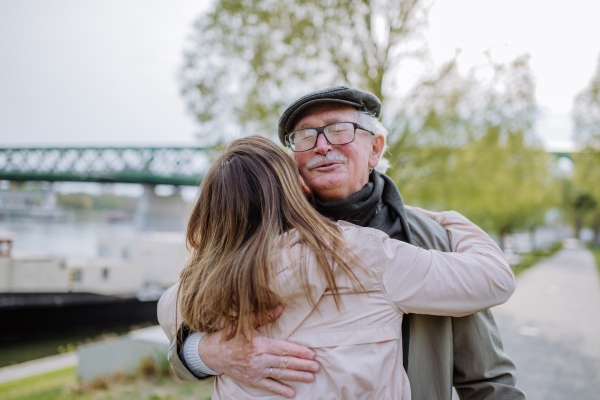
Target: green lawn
{"type": "Point", "coordinates": [596, 252]}
{"type": "Point", "coordinates": [48, 386]}
{"type": "Point", "coordinates": [530, 259]}
{"type": "Point", "coordinates": [63, 385]}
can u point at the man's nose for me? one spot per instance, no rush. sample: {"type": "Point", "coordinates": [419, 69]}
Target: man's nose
{"type": "Point", "coordinates": [323, 145]}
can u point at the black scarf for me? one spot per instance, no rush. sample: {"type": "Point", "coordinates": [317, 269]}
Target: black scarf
{"type": "Point", "coordinates": [377, 205]}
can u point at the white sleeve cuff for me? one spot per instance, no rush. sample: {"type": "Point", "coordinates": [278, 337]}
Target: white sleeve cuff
{"type": "Point", "coordinates": [192, 357]}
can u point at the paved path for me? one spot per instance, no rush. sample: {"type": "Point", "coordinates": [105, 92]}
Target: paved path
{"type": "Point", "coordinates": [37, 367]}
{"type": "Point", "coordinates": [551, 328]}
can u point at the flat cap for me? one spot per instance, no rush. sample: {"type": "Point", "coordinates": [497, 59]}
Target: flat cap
{"type": "Point", "coordinates": [361, 100]}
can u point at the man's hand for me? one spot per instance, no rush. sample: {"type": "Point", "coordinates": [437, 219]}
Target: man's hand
{"type": "Point", "coordinates": [264, 365]}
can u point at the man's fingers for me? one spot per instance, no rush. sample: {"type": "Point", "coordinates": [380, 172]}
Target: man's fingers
{"type": "Point", "coordinates": [297, 364]}
{"type": "Point", "coordinates": [277, 387]}
{"type": "Point", "coordinates": [289, 375]}
{"type": "Point", "coordinates": [272, 315]}
{"type": "Point", "coordinates": [283, 348]}
{"type": "Point", "coordinates": [290, 363]}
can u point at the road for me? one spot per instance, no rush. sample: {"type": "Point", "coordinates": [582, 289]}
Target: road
{"type": "Point", "coordinates": [551, 327]}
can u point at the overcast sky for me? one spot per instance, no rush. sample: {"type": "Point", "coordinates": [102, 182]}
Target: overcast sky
{"type": "Point", "coordinates": [82, 72]}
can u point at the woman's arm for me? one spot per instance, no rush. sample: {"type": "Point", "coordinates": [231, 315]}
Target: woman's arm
{"type": "Point", "coordinates": [474, 278]}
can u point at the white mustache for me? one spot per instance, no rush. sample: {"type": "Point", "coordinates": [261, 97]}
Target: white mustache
{"type": "Point", "coordinates": [328, 157]}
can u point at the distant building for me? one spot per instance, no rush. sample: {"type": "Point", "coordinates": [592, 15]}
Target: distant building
{"type": "Point", "coordinates": [126, 266]}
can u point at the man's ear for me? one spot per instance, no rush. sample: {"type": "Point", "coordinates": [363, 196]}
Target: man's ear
{"type": "Point", "coordinates": [377, 149]}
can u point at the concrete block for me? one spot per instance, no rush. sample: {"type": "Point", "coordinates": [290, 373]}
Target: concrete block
{"type": "Point", "coordinates": [124, 353]}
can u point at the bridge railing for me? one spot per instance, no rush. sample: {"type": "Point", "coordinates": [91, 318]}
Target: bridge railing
{"type": "Point", "coordinates": [154, 165]}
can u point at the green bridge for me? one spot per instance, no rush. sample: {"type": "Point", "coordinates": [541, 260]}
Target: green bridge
{"type": "Point", "coordinates": [150, 165]}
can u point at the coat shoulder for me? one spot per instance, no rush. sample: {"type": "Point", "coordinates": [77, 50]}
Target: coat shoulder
{"type": "Point", "coordinates": [426, 232]}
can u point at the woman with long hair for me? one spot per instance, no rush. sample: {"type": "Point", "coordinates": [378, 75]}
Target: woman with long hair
{"type": "Point", "coordinates": [256, 243]}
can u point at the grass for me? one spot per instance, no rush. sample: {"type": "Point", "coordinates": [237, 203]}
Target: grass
{"type": "Point", "coordinates": [47, 386]}
{"type": "Point", "coordinates": [596, 252]}
{"type": "Point", "coordinates": [150, 383]}
{"type": "Point", "coordinates": [532, 258]}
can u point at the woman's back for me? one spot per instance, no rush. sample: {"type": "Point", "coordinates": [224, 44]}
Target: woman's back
{"type": "Point", "coordinates": [356, 347]}
{"type": "Point", "coordinates": [359, 347]}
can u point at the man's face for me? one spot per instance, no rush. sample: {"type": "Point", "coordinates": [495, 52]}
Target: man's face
{"type": "Point", "coordinates": [337, 172]}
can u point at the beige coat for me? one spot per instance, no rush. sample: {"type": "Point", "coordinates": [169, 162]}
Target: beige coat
{"type": "Point", "coordinates": [359, 348]}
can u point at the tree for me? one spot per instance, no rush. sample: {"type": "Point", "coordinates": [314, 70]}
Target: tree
{"type": "Point", "coordinates": [471, 139]}
{"type": "Point", "coordinates": [586, 113]}
{"type": "Point", "coordinates": [250, 58]}
{"type": "Point", "coordinates": [581, 207]}
{"type": "Point", "coordinates": [586, 118]}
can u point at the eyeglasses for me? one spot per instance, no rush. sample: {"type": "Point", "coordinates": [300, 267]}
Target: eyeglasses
{"type": "Point", "coordinates": [335, 134]}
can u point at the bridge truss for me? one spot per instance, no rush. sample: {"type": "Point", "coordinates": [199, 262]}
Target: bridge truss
{"type": "Point", "coordinates": [152, 165]}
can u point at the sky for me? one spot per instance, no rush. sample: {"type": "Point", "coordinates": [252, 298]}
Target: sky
{"type": "Point", "coordinates": [82, 72]}
{"type": "Point", "coordinates": [94, 73]}
{"type": "Point", "coordinates": [562, 39]}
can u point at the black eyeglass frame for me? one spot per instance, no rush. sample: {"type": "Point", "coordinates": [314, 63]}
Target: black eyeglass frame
{"type": "Point", "coordinates": [322, 130]}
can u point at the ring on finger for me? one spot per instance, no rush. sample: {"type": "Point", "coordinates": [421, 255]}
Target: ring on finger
{"type": "Point", "coordinates": [271, 373]}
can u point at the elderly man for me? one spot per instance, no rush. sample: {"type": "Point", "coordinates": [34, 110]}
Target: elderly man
{"type": "Point", "coordinates": [337, 140]}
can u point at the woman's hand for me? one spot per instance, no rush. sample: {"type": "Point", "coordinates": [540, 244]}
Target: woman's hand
{"type": "Point", "coordinates": [264, 364]}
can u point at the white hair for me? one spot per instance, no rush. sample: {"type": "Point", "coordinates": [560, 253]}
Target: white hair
{"type": "Point", "coordinates": [369, 121]}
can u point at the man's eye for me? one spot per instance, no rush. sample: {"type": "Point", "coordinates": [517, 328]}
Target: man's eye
{"type": "Point", "coordinates": [339, 131]}
{"type": "Point", "coordinates": [303, 137]}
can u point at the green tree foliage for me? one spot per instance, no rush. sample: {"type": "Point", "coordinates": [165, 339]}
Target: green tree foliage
{"type": "Point", "coordinates": [86, 201]}
{"type": "Point", "coordinates": [250, 58]}
{"type": "Point", "coordinates": [470, 138]}
{"type": "Point", "coordinates": [581, 207]}
{"type": "Point", "coordinates": [75, 201]}
{"type": "Point", "coordinates": [586, 113]}
{"type": "Point", "coordinates": [461, 141]}
{"type": "Point", "coordinates": [586, 177]}
{"type": "Point", "coordinates": [113, 202]}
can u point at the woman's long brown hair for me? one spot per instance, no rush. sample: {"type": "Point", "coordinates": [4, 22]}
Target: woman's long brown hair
{"type": "Point", "coordinates": [251, 195]}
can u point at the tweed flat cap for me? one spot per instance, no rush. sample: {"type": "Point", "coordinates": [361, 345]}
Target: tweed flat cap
{"type": "Point", "coordinates": [361, 100]}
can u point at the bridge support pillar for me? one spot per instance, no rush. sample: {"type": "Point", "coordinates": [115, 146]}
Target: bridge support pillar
{"type": "Point", "coordinates": [159, 213]}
